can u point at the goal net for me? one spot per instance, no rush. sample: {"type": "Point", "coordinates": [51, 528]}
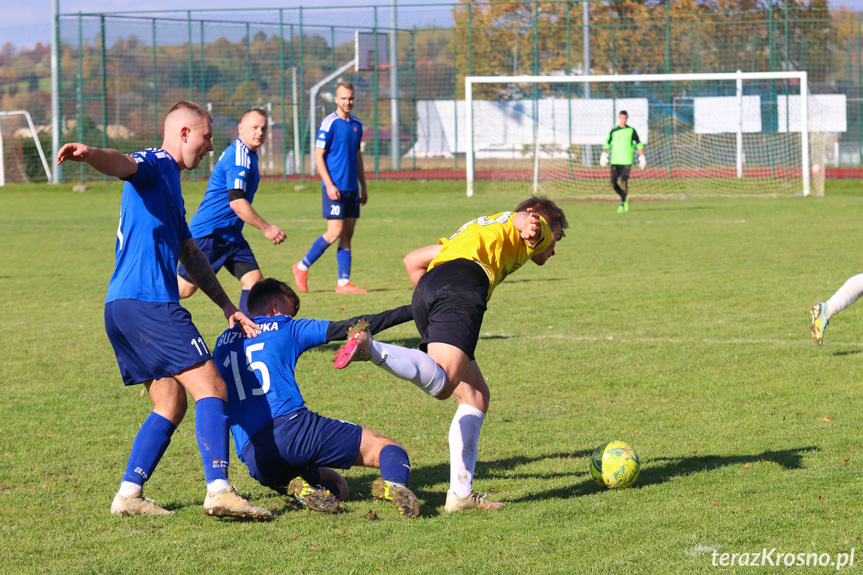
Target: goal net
{"type": "Point", "coordinates": [22, 158]}
{"type": "Point", "coordinates": [703, 134]}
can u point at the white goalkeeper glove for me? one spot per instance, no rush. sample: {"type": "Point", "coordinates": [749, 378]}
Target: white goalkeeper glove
{"type": "Point", "coordinates": [642, 161]}
{"type": "Point", "coordinates": [603, 158]}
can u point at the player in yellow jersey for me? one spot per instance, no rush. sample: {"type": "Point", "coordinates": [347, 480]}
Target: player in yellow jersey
{"type": "Point", "coordinates": [454, 280]}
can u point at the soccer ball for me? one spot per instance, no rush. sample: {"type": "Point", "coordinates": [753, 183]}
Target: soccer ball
{"type": "Point", "coordinates": [614, 465]}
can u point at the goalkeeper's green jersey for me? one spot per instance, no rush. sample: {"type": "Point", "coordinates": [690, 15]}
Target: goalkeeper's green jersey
{"type": "Point", "coordinates": [623, 142]}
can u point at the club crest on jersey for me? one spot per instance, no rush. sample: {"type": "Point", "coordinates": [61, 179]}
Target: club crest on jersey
{"type": "Point", "coordinates": [355, 128]}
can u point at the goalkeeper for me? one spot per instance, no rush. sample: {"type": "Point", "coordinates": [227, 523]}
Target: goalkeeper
{"type": "Point", "coordinates": [622, 141]}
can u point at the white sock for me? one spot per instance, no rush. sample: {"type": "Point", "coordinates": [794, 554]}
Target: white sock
{"type": "Point", "coordinates": [302, 267]}
{"type": "Point", "coordinates": [410, 365]}
{"type": "Point", "coordinates": [342, 282]}
{"type": "Point", "coordinates": [463, 445]}
{"type": "Point", "coordinates": [850, 292]}
{"type": "Point", "coordinates": [128, 489]}
{"type": "Point", "coordinates": [217, 485]}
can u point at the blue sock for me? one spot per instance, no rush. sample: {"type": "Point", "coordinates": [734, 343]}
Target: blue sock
{"type": "Point", "coordinates": [343, 257]}
{"type": "Point", "coordinates": [244, 299]}
{"type": "Point", "coordinates": [211, 429]}
{"type": "Point", "coordinates": [395, 465]}
{"type": "Point", "coordinates": [318, 248]}
{"type": "Point", "coordinates": [150, 444]}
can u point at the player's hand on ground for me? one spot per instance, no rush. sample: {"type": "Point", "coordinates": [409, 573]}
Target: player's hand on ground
{"type": "Point", "coordinates": [74, 152]}
{"type": "Point", "coordinates": [364, 197]}
{"type": "Point", "coordinates": [237, 317]}
{"type": "Point", "coordinates": [275, 234]}
{"type": "Point", "coordinates": [532, 226]}
{"type": "Point", "coordinates": [333, 192]}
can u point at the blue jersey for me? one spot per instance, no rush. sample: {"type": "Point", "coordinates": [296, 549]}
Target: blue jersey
{"type": "Point", "coordinates": [237, 169]}
{"type": "Point", "coordinates": [152, 227]}
{"type": "Point", "coordinates": [259, 372]}
{"type": "Point", "coordinates": [340, 139]}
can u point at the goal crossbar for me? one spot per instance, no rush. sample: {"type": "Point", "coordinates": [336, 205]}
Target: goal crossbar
{"type": "Point", "coordinates": [738, 76]}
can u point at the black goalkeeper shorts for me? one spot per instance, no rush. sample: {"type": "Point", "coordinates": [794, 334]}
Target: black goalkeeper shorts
{"type": "Point", "coordinates": [618, 171]}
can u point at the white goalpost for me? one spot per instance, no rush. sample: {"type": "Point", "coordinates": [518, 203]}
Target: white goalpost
{"type": "Point", "coordinates": [16, 128]}
{"type": "Point", "coordinates": [741, 133]}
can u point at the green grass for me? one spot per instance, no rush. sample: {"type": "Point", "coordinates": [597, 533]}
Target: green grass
{"type": "Point", "coordinates": [680, 327]}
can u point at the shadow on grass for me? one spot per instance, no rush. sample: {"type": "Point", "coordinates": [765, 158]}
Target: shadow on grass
{"type": "Point", "coordinates": [653, 472]}
{"type": "Point", "coordinates": [846, 352]}
{"type": "Point", "coordinates": [423, 478]}
{"type": "Point", "coordinates": [661, 469]}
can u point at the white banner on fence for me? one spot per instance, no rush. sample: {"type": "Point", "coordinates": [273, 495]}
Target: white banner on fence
{"type": "Point", "coordinates": [827, 113]}
{"type": "Point", "coordinates": [502, 128]}
{"type": "Point", "coordinates": [721, 115]}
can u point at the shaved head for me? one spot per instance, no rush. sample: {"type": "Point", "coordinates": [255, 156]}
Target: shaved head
{"type": "Point", "coordinates": [188, 134]}
{"type": "Point", "coordinates": [184, 111]}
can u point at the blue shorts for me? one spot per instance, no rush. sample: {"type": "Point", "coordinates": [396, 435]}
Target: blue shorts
{"type": "Point", "coordinates": [299, 443]}
{"type": "Point", "coordinates": [152, 340]}
{"type": "Point", "coordinates": [224, 253]}
{"type": "Point", "coordinates": [346, 207]}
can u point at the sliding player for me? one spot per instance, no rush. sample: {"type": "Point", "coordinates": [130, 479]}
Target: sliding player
{"type": "Point", "coordinates": [286, 446]}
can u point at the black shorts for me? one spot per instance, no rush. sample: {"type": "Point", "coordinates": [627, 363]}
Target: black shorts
{"type": "Point", "coordinates": [618, 171]}
{"type": "Point", "coordinates": [448, 305]}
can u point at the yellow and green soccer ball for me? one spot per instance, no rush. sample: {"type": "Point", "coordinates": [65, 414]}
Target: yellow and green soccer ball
{"type": "Point", "coordinates": [614, 465]}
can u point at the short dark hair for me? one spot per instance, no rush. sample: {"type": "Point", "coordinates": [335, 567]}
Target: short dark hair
{"type": "Point", "coordinates": [263, 291]}
{"type": "Point", "coordinates": [547, 209]}
{"type": "Point", "coordinates": [623, 113]}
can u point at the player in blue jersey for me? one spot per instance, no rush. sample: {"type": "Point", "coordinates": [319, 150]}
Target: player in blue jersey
{"type": "Point", "coordinates": [154, 339]}
{"type": "Point", "coordinates": [217, 226]}
{"type": "Point", "coordinates": [343, 187]}
{"type": "Point", "coordinates": [286, 446]}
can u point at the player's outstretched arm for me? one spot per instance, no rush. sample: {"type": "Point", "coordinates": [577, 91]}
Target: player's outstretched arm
{"type": "Point", "coordinates": [198, 267]}
{"type": "Point", "coordinates": [417, 262]}
{"type": "Point", "coordinates": [106, 161]}
{"type": "Point", "coordinates": [378, 322]}
{"type": "Point", "coordinates": [247, 213]}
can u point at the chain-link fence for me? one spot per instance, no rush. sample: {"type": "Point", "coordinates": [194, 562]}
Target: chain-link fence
{"type": "Point", "coordinates": [120, 72]}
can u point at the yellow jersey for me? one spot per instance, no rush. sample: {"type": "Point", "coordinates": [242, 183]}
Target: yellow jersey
{"type": "Point", "coordinates": [494, 243]}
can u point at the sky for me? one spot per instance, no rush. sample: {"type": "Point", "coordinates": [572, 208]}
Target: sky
{"type": "Point", "coordinates": [25, 23]}
{"type": "Point", "coordinates": [28, 22]}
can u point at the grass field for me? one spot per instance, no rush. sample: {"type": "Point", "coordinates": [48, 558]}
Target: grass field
{"type": "Point", "coordinates": [680, 327]}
